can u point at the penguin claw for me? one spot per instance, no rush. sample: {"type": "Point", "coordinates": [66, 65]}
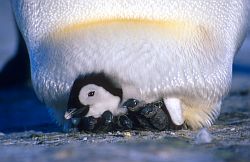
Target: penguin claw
{"type": "Point", "coordinates": [124, 122]}
{"type": "Point", "coordinates": [107, 118]}
{"type": "Point", "coordinates": [131, 105]}
{"type": "Point", "coordinates": [158, 119]}
{"type": "Point", "coordinates": [148, 111]}
{"type": "Point", "coordinates": [102, 124]}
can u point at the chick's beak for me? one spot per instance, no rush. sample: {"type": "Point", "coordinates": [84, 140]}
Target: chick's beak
{"type": "Point", "coordinates": [76, 112]}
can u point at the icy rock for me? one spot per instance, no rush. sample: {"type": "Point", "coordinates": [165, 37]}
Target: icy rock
{"type": "Point", "coordinates": [203, 137]}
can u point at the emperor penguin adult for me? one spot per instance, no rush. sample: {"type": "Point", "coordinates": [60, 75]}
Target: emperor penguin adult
{"type": "Point", "coordinates": [180, 51]}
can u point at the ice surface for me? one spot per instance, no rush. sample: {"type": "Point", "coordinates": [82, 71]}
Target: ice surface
{"type": "Point", "coordinates": [203, 136]}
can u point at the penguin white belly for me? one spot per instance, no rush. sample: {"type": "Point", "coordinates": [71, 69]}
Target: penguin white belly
{"type": "Point", "coordinates": [150, 60]}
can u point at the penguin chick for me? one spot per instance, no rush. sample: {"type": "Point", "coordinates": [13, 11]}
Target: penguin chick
{"type": "Point", "coordinates": [92, 95]}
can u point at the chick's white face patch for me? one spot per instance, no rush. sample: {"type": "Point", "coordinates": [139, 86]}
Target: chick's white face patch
{"type": "Point", "coordinates": [99, 100]}
{"type": "Point", "coordinates": [91, 94]}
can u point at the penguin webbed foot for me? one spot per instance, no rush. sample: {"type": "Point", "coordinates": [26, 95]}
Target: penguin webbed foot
{"type": "Point", "coordinates": [107, 122]}
{"type": "Point", "coordinates": [92, 124]}
{"type": "Point", "coordinates": [149, 116]}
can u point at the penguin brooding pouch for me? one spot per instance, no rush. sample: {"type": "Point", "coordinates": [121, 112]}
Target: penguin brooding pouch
{"type": "Point", "coordinates": [96, 98]}
{"type": "Point", "coordinates": [180, 51]}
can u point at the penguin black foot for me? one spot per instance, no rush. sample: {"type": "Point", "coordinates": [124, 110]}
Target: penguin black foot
{"type": "Point", "coordinates": [107, 122]}
{"type": "Point", "coordinates": [151, 116]}
{"type": "Point", "coordinates": [148, 116]}
{"type": "Point", "coordinates": [124, 122]}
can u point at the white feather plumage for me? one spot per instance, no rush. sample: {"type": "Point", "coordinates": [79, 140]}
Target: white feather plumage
{"type": "Point", "coordinates": [153, 48]}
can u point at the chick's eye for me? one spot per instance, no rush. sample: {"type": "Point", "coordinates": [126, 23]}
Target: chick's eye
{"type": "Point", "coordinates": [91, 94]}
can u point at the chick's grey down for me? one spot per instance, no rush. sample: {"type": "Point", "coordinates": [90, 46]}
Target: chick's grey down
{"type": "Point", "coordinates": [180, 51]}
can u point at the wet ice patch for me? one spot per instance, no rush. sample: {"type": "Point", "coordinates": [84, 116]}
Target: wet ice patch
{"type": "Point", "coordinates": [203, 137]}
